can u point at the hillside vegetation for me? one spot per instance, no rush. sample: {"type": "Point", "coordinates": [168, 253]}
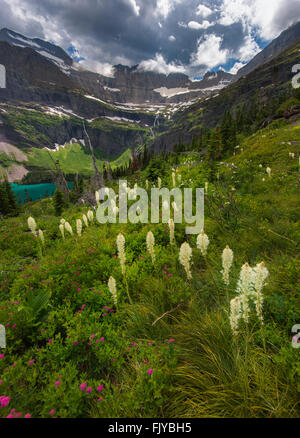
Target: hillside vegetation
{"type": "Point", "coordinates": [161, 344]}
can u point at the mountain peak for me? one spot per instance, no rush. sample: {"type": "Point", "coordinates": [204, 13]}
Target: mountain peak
{"type": "Point", "coordinates": [54, 53]}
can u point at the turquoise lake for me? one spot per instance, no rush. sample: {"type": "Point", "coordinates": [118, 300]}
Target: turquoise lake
{"type": "Point", "coordinates": [35, 191]}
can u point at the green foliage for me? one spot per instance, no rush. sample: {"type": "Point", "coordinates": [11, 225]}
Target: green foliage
{"type": "Point", "coordinates": [58, 201]}
{"type": "Point", "coordinates": [171, 352]}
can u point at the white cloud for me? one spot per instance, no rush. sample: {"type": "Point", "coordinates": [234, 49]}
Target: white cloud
{"type": "Point", "coordinates": [248, 50]}
{"type": "Point", "coordinates": [172, 38]}
{"type": "Point", "coordinates": [159, 65]}
{"type": "Point", "coordinates": [237, 66]}
{"type": "Point", "coordinates": [267, 17]}
{"type": "Point", "coordinates": [209, 52]}
{"type": "Point", "coordinates": [195, 25]}
{"type": "Point", "coordinates": [135, 7]}
{"type": "Point", "coordinates": [104, 68]}
{"type": "Point", "coordinates": [164, 7]}
{"type": "Point", "coordinates": [203, 11]}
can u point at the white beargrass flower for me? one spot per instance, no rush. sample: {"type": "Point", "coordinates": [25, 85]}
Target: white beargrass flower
{"type": "Point", "coordinates": [150, 245]}
{"type": "Point", "coordinates": [147, 184]}
{"type": "Point", "coordinates": [85, 220]}
{"type": "Point", "coordinates": [202, 242]}
{"type": "Point", "coordinates": [121, 251]}
{"type": "Point", "coordinates": [235, 314]}
{"type": "Point", "coordinates": [113, 289]}
{"type": "Point", "coordinates": [159, 182]}
{"type": "Point", "coordinates": [185, 255]}
{"type": "Point", "coordinates": [97, 196]}
{"type": "Point", "coordinates": [259, 275]}
{"type": "Point", "coordinates": [269, 171]}
{"type": "Point", "coordinates": [41, 236]}
{"type": "Point", "coordinates": [62, 230]}
{"type": "Point", "coordinates": [90, 215]}
{"type": "Point", "coordinates": [174, 206]}
{"type": "Point", "coordinates": [79, 227]}
{"type": "Point", "coordinates": [227, 259]}
{"type": "Point", "coordinates": [174, 179]}
{"type": "Point", "coordinates": [32, 225]}
{"type": "Point", "coordinates": [172, 231]}
{"type": "Point", "coordinates": [62, 221]}
{"type": "Point", "coordinates": [244, 289]}
{"type": "Point", "coordinates": [69, 228]}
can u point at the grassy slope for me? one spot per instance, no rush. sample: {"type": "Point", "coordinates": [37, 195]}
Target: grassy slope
{"type": "Point", "coordinates": [205, 372]}
{"type": "Point", "coordinates": [32, 125]}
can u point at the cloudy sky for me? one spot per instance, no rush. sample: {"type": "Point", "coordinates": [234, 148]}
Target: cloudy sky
{"type": "Point", "coordinates": [190, 36]}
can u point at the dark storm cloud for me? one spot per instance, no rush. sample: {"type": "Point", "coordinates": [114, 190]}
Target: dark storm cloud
{"type": "Point", "coordinates": [112, 31]}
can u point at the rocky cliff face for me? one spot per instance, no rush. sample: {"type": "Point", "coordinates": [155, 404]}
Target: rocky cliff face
{"type": "Point", "coordinates": [131, 84]}
{"type": "Point", "coordinates": [54, 53]}
{"type": "Point", "coordinates": [128, 84]}
{"type": "Point", "coordinates": [266, 82]}
{"type": "Point", "coordinates": [42, 106]}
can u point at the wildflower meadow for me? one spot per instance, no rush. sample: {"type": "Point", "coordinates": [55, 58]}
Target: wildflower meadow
{"type": "Point", "coordinates": [143, 320]}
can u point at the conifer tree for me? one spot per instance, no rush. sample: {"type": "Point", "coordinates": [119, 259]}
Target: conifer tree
{"type": "Point", "coordinates": [58, 201]}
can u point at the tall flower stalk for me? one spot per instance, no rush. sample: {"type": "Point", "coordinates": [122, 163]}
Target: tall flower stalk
{"type": "Point", "coordinates": [174, 179]}
{"type": "Point", "coordinates": [172, 231]}
{"type": "Point", "coordinates": [150, 245]}
{"type": "Point", "coordinates": [90, 215]}
{"type": "Point", "coordinates": [202, 243]}
{"type": "Point", "coordinates": [113, 290]}
{"type": "Point", "coordinates": [227, 259]}
{"type": "Point", "coordinates": [68, 228]}
{"type": "Point", "coordinates": [32, 225]}
{"type": "Point", "coordinates": [244, 288]}
{"type": "Point", "coordinates": [259, 276]}
{"type": "Point", "coordinates": [41, 236]}
{"type": "Point", "coordinates": [85, 220]}
{"type": "Point", "coordinates": [62, 230]}
{"type": "Point", "coordinates": [97, 197]}
{"type": "Point", "coordinates": [79, 227]}
{"type": "Point", "coordinates": [185, 256]}
{"type": "Point", "coordinates": [121, 251]}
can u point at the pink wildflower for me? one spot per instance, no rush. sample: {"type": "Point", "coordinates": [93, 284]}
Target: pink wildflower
{"type": "Point", "coordinates": [83, 386]}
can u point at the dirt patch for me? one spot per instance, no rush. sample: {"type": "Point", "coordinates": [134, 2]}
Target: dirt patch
{"type": "Point", "coordinates": [9, 150]}
{"type": "Point", "coordinates": [14, 172]}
